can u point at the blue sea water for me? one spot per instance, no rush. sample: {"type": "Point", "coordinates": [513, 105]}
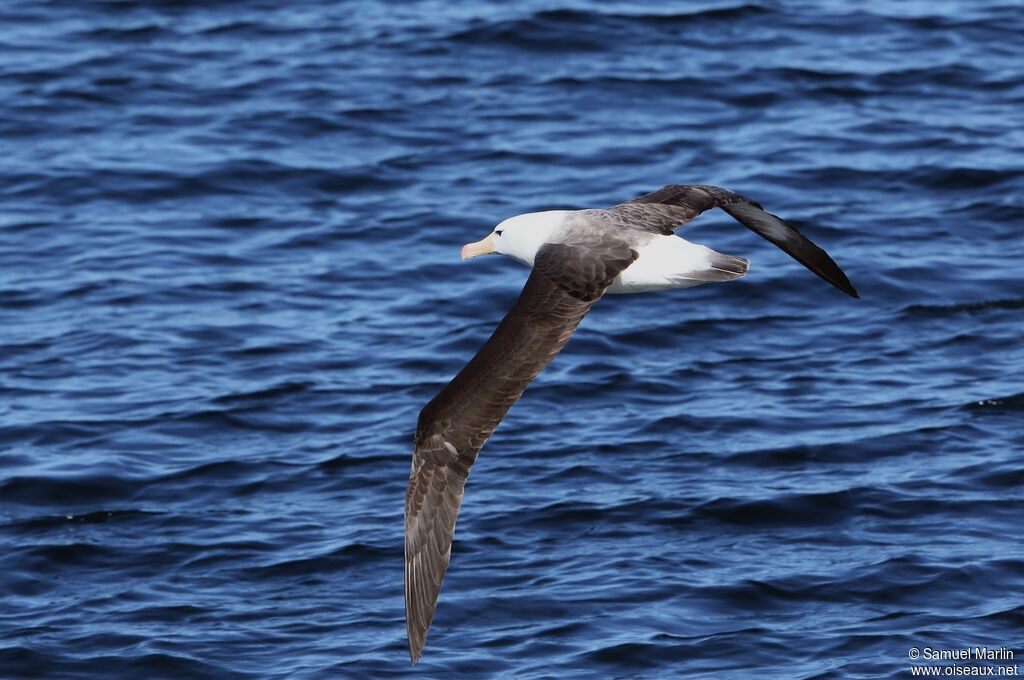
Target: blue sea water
{"type": "Point", "coordinates": [229, 280]}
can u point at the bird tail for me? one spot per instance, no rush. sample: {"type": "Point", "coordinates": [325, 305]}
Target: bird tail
{"type": "Point", "coordinates": [720, 267]}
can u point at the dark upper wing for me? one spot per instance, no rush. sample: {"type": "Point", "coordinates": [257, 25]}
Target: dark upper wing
{"type": "Point", "coordinates": [566, 280]}
{"type": "Point", "coordinates": [668, 208]}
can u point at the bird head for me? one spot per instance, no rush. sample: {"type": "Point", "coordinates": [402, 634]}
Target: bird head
{"type": "Point", "coordinates": [519, 237]}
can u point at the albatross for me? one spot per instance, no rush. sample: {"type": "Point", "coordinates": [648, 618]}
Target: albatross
{"type": "Point", "coordinates": [575, 256]}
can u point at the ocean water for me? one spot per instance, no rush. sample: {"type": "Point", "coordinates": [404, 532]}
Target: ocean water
{"type": "Point", "coordinates": [229, 280]}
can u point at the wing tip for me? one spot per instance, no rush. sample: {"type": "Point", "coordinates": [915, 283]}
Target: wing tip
{"type": "Point", "coordinates": [792, 241]}
{"type": "Point", "coordinates": [839, 279]}
{"type": "Point", "coordinates": [417, 639]}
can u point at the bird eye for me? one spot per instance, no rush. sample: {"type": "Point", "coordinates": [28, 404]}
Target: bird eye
{"type": "Point", "coordinates": [498, 232]}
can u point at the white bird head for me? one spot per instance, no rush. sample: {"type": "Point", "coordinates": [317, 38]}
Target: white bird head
{"type": "Point", "coordinates": [519, 237]}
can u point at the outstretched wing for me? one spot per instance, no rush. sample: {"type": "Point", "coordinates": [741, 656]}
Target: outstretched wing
{"type": "Point", "coordinates": [672, 206]}
{"type": "Point", "coordinates": [567, 278]}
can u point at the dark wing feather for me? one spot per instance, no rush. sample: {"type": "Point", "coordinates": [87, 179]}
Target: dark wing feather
{"type": "Point", "coordinates": [566, 280]}
{"type": "Point", "coordinates": [672, 206]}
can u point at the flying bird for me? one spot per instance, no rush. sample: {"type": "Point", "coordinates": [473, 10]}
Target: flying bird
{"type": "Point", "coordinates": [576, 256]}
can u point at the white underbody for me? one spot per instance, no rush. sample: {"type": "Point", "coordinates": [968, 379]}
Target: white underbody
{"type": "Point", "coordinates": [665, 262]}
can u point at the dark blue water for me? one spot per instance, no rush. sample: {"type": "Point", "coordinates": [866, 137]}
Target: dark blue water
{"type": "Point", "coordinates": [229, 280]}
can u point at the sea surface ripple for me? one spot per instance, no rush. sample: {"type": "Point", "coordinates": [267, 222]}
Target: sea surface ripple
{"type": "Point", "coordinates": [229, 280]}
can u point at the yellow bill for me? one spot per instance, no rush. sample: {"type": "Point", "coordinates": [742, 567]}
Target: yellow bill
{"type": "Point", "coordinates": [483, 247]}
